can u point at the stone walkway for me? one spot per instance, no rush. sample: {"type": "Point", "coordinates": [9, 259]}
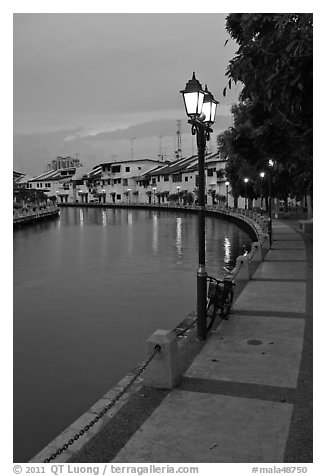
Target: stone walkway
{"type": "Point", "coordinates": [237, 400]}
{"type": "Point", "coordinates": [247, 396]}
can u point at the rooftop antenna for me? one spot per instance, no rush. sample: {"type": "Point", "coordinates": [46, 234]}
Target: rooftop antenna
{"type": "Point", "coordinates": [178, 152]}
{"type": "Point", "coordinates": [132, 147]}
{"type": "Point", "coordinates": [160, 155]}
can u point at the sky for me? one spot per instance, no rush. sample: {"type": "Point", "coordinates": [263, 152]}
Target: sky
{"type": "Point", "coordinates": [106, 86]}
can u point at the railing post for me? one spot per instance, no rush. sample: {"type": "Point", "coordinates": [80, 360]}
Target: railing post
{"type": "Point", "coordinates": [256, 252]}
{"type": "Point", "coordinates": [164, 370]}
{"type": "Point", "coordinates": [242, 268]}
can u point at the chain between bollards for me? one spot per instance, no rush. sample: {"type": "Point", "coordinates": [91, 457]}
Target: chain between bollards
{"type": "Point", "coordinates": [107, 407]}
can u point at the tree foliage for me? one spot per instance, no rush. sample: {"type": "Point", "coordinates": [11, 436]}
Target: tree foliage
{"type": "Point", "coordinates": [274, 116]}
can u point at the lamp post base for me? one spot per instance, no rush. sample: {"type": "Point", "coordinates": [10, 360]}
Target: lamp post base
{"type": "Point", "coordinates": [201, 303]}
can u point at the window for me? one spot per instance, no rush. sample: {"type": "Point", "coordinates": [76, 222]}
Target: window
{"type": "Point", "coordinates": [158, 178]}
{"type": "Point", "coordinates": [124, 181]}
{"type": "Point", "coordinates": [118, 196]}
{"type": "Point", "coordinates": [116, 168]}
{"type": "Point", "coordinates": [186, 179]}
{"type": "Point", "coordinates": [197, 180]}
{"type": "Point", "coordinates": [210, 172]}
{"type": "Point", "coordinates": [127, 169]}
{"type": "Point", "coordinates": [139, 168]}
{"type": "Point", "coordinates": [166, 178]}
{"type": "Point", "coordinates": [153, 181]}
{"type": "Point", "coordinates": [176, 178]}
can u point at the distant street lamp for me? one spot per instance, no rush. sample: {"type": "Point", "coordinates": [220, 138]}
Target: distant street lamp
{"type": "Point", "coordinates": [262, 175]}
{"type": "Point", "coordinates": [270, 170]}
{"type": "Point", "coordinates": [200, 107]}
{"type": "Point", "coordinates": [246, 180]}
{"type": "Point", "coordinates": [227, 194]}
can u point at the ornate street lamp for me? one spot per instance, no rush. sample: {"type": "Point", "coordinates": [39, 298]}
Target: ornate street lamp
{"type": "Point", "coordinates": [227, 194]}
{"type": "Point", "coordinates": [270, 170]}
{"type": "Point", "coordinates": [200, 108]}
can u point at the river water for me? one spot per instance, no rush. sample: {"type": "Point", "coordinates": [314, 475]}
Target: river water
{"type": "Point", "coordinates": [89, 288]}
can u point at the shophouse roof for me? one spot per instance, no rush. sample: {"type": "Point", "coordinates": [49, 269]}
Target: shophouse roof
{"type": "Point", "coordinates": [54, 175]}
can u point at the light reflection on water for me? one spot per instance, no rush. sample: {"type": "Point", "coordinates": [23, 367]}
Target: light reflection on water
{"type": "Point", "coordinates": [227, 250]}
{"type": "Point", "coordinates": [89, 288]}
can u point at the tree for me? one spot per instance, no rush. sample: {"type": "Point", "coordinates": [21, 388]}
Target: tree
{"type": "Point", "coordinates": [274, 116]}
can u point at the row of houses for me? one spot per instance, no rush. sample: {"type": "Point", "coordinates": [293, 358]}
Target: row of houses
{"type": "Point", "coordinates": [132, 181]}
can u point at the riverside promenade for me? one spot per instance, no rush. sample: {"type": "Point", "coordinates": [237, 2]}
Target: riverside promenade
{"type": "Point", "coordinates": [246, 395]}
{"type": "Point", "coordinates": [33, 216]}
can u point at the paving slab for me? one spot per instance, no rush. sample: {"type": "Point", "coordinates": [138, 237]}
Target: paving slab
{"type": "Point", "coordinates": [249, 349]}
{"type": "Point", "coordinates": [279, 224]}
{"type": "Point", "coordinates": [284, 229]}
{"type": "Point", "coordinates": [281, 270]}
{"type": "Point", "coordinates": [272, 296]}
{"type": "Point", "coordinates": [203, 428]}
{"type": "Point", "coordinates": [286, 236]}
{"type": "Point", "coordinates": [288, 244]}
{"type": "Point", "coordinates": [286, 255]}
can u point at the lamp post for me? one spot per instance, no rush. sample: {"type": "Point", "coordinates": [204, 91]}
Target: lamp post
{"type": "Point", "coordinates": [246, 180]}
{"type": "Point", "coordinates": [227, 194]}
{"type": "Point", "coordinates": [178, 192]}
{"type": "Point", "coordinates": [262, 175]}
{"type": "Point", "coordinates": [200, 107]}
{"type": "Point", "coordinates": [104, 195]}
{"type": "Point", "coordinates": [154, 190]}
{"type": "Point", "coordinates": [270, 169]}
{"type": "Point", "coordinates": [129, 190]}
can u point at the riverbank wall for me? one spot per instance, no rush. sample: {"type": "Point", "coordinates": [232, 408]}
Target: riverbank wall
{"type": "Point", "coordinates": [106, 413]}
{"type": "Point", "coordinates": [28, 217]}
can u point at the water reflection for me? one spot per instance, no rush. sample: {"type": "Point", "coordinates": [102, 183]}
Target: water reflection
{"type": "Point", "coordinates": [130, 233]}
{"type": "Point", "coordinates": [155, 233]}
{"type": "Point", "coordinates": [227, 250]}
{"type": "Point", "coordinates": [178, 242]}
{"type": "Point", "coordinates": [81, 217]}
{"type": "Point", "coordinates": [104, 218]}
